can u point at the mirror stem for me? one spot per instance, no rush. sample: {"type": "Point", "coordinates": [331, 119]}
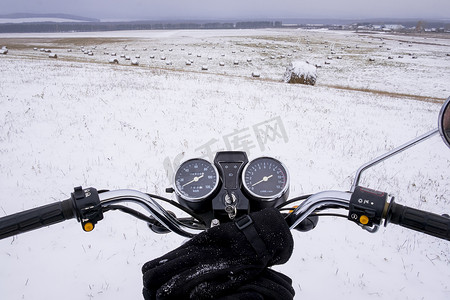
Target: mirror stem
{"type": "Point", "coordinates": [389, 154]}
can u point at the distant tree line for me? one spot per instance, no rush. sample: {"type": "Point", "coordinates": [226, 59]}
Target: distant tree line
{"type": "Point", "coordinates": [113, 26]}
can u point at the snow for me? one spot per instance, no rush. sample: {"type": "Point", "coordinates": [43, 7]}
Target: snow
{"type": "Point", "coordinates": [79, 120]}
{"type": "Point", "coordinates": [302, 67]}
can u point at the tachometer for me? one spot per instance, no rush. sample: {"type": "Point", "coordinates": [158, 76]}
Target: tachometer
{"type": "Point", "coordinates": [266, 179]}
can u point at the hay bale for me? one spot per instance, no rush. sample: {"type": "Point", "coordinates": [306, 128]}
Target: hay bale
{"type": "Point", "coordinates": [113, 61]}
{"type": "Point", "coordinates": [301, 72]}
{"type": "Point", "coordinates": [53, 55]}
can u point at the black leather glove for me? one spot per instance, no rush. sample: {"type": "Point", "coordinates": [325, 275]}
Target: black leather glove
{"type": "Point", "coordinates": [222, 259]}
{"type": "Point", "coordinates": [269, 285]}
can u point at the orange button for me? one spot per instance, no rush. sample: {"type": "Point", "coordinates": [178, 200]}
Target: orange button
{"type": "Point", "coordinates": [364, 219]}
{"type": "Point", "coordinates": [88, 226]}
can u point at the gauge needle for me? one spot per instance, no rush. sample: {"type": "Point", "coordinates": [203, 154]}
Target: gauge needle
{"type": "Point", "coordinates": [193, 180]}
{"type": "Point", "coordinates": [265, 178]}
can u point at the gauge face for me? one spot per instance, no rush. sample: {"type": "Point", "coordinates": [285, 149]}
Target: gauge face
{"type": "Point", "coordinates": [196, 179]}
{"type": "Point", "coordinates": [265, 178]}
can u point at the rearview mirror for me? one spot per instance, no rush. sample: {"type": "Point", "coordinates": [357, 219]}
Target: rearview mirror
{"type": "Point", "coordinates": [444, 122]}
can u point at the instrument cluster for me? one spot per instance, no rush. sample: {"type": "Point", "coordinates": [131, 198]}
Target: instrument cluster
{"type": "Point", "coordinates": [231, 185]}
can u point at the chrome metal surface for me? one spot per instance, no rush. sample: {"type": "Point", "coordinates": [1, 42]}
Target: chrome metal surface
{"type": "Point", "coordinates": [153, 207]}
{"type": "Point", "coordinates": [326, 199]}
{"type": "Point", "coordinates": [389, 154]}
{"type": "Point", "coordinates": [371, 229]}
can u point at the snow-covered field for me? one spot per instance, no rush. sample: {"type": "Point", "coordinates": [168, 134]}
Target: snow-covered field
{"type": "Point", "coordinates": [79, 120]}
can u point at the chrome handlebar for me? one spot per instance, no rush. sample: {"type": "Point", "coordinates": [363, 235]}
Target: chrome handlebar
{"type": "Point", "coordinates": [326, 199]}
{"type": "Point", "coordinates": [150, 205]}
{"type": "Point", "coordinates": [321, 200]}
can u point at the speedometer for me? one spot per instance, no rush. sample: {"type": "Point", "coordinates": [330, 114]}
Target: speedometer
{"type": "Point", "coordinates": [195, 181]}
{"type": "Point", "coordinates": [266, 179]}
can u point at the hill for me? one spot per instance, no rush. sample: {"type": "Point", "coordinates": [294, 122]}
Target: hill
{"type": "Point", "coordinates": [62, 17]}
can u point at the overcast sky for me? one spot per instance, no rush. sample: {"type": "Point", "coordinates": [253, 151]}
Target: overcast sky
{"type": "Point", "coordinates": [226, 9]}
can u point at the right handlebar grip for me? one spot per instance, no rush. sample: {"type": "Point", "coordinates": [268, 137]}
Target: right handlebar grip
{"type": "Point", "coordinates": [36, 218]}
{"type": "Point", "coordinates": [419, 220]}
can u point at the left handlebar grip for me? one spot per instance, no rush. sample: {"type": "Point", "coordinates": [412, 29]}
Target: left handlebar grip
{"type": "Point", "coordinates": [36, 218]}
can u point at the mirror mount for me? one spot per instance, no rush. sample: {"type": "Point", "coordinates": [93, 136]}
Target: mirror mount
{"type": "Point", "coordinates": [443, 129]}
{"type": "Point", "coordinates": [390, 154]}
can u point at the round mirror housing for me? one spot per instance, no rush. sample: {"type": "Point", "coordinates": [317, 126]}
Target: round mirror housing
{"type": "Point", "coordinates": [444, 122]}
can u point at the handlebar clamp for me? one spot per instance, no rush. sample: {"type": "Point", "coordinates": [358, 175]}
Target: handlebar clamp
{"type": "Point", "coordinates": [87, 206]}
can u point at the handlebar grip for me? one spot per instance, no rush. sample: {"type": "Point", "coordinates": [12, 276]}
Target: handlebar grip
{"type": "Point", "coordinates": [419, 220]}
{"type": "Point", "coordinates": [36, 218]}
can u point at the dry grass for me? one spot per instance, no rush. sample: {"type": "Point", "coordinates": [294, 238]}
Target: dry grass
{"type": "Point", "coordinates": [58, 43]}
{"type": "Point", "coordinates": [269, 43]}
{"type": "Point", "coordinates": [388, 94]}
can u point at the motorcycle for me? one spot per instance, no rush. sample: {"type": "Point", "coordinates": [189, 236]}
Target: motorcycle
{"type": "Point", "coordinates": [210, 194]}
